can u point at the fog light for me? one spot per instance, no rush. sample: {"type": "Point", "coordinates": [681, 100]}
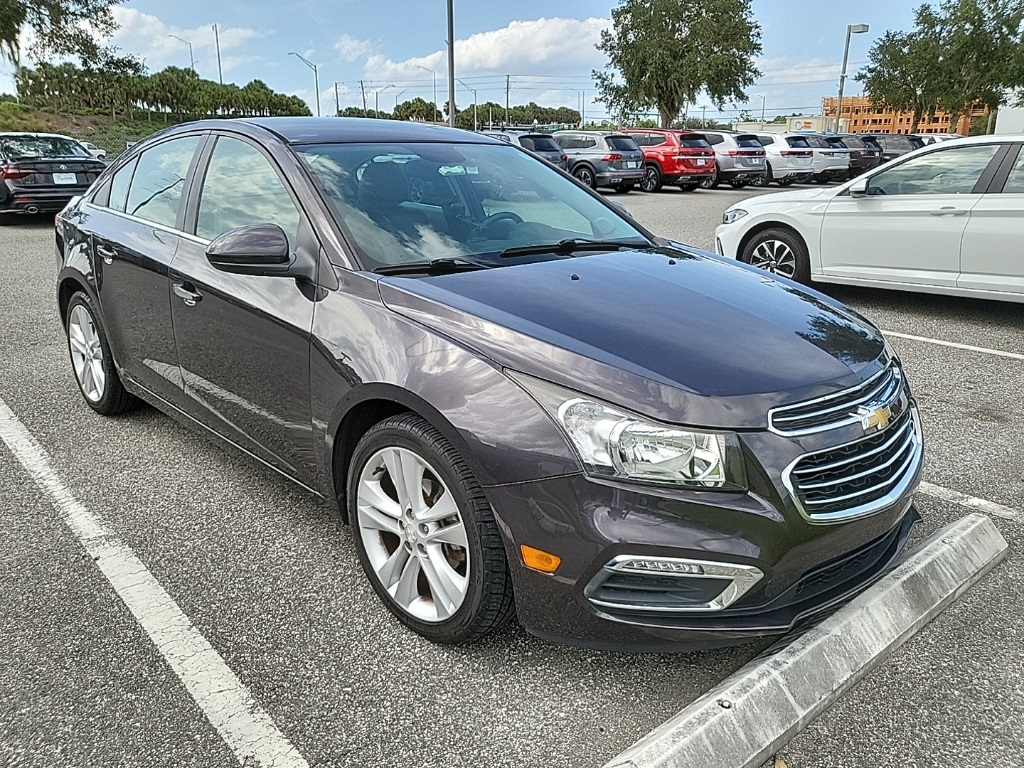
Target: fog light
{"type": "Point", "coordinates": [662, 566]}
{"type": "Point", "coordinates": [539, 560]}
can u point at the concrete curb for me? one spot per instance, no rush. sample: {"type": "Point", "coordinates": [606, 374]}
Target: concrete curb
{"type": "Point", "coordinates": [753, 713]}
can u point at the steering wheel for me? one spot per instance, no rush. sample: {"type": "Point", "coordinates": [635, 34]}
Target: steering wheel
{"type": "Point", "coordinates": [480, 229]}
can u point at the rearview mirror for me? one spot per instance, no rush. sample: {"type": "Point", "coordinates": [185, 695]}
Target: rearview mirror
{"type": "Point", "coordinates": [255, 249]}
{"type": "Point", "coordinates": [859, 188]}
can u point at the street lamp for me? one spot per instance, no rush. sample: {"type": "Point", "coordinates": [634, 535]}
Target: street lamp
{"type": "Point", "coordinates": [191, 58]}
{"type": "Point", "coordinates": [397, 95]}
{"type": "Point", "coordinates": [433, 76]}
{"type": "Point", "coordinates": [451, 65]}
{"type": "Point", "coordinates": [473, 90]}
{"type": "Point", "coordinates": [316, 76]}
{"type": "Point", "coordinates": [376, 99]}
{"type": "Point", "coordinates": [851, 29]}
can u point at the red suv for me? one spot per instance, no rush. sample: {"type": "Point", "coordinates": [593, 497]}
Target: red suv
{"type": "Point", "coordinates": [673, 157]}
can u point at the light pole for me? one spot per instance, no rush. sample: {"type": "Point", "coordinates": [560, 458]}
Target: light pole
{"type": "Point", "coordinates": [316, 76]}
{"type": "Point", "coordinates": [191, 58]}
{"type": "Point", "coordinates": [851, 29]}
{"type": "Point", "coordinates": [376, 99]}
{"type": "Point", "coordinates": [220, 69]}
{"type": "Point", "coordinates": [397, 95]}
{"type": "Point", "coordinates": [703, 112]}
{"type": "Point", "coordinates": [762, 111]}
{"type": "Point", "coordinates": [451, 65]}
{"type": "Point", "coordinates": [473, 90]}
{"type": "Point", "coordinates": [433, 77]}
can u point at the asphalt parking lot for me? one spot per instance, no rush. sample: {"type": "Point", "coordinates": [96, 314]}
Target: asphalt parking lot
{"type": "Point", "coordinates": [270, 579]}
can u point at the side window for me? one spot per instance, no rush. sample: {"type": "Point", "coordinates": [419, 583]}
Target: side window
{"type": "Point", "coordinates": [1015, 181]}
{"type": "Point", "coordinates": [588, 143]}
{"type": "Point", "coordinates": [946, 172]}
{"type": "Point", "coordinates": [241, 187]}
{"type": "Point", "coordinates": [119, 186]}
{"type": "Point", "coordinates": [156, 187]}
{"type": "Point", "coordinates": [656, 139]}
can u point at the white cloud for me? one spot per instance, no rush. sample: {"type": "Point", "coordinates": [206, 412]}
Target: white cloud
{"type": "Point", "coordinates": [352, 49]}
{"type": "Point", "coordinates": [150, 38]}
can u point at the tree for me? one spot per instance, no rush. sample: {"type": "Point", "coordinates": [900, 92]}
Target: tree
{"type": "Point", "coordinates": [663, 53]}
{"type": "Point", "coordinates": [61, 27]}
{"type": "Point", "coordinates": [961, 53]}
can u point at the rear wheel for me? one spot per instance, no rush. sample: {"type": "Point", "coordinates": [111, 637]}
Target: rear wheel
{"type": "Point", "coordinates": [585, 174]}
{"type": "Point", "coordinates": [766, 178]}
{"type": "Point", "coordinates": [737, 184]}
{"type": "Point", "coordinates": [786, 182]}
{"type": "Point", "coordinates": [623, 188]}
{"type": "Point", "coordinates": [94, 368]}
{"type": "Point", "coordinates": [425, 533]}
{"type": "Point", "coordinates": [689, 187]}
{"type": "Point", "coordinates": [779, 251]}
{"type": "Point", "coordinates": [652, 181]}
{"type": "Point", "coordinates": [711, 181]}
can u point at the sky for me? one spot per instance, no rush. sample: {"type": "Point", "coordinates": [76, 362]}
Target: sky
{"type": "Point", "coordinates": [397, 48]}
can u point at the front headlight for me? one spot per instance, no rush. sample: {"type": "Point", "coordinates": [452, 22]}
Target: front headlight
{"type": "Point", "coordinates": [733, 215]}
{"type": "Point", "coordinates": [615, 444]}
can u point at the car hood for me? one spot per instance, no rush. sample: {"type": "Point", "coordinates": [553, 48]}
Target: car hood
{"type": "Point", "coordinates": [682, 337]}
{"type": "Point", "coordinates": [796, 195]}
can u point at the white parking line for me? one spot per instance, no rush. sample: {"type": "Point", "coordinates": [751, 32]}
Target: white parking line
{"type": "Point", "coordinates": [968, 347]}
{"type": "Point", "coordinates": [227, 703]}
{"type": "Point", "coordinates": [971, 502]}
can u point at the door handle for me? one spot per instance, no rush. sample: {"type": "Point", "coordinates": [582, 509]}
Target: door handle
{"type": "Point", "coordinates": [188, 296]}
{"type": "Point", "coordinates": [106, 253]}
{"type": "Point", "coordinates": [949, 211]}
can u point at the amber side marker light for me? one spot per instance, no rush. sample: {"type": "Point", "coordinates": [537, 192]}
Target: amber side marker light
{"type": "Point", "coordinates": [539, 560]}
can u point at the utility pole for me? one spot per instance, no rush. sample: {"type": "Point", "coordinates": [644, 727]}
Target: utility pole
{"type": "Point", "coordinates": [451, 64]}
{"type": "Point", "coordinates": [851, 29]}
{"type": "Point", "coordinates": [703, 111]}
{"type": "Point", "coordinates": [220, 69]}
{"type": "Point", "coordinates": [762, 111]}
{"type": "Point", "coordinates": [191, 57]}
{"type": "Point", "coordinates": [508, 88]}
{"type": "Point", "coordinates": [316, 76]}
{"type": "Point", "coordinates": [433, 79]}
{"type": "Point", "coordinates": [337, 102]}
{"type": "Point", "coordinates": [362, 90]}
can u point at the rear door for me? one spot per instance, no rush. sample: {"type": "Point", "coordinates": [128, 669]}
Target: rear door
{"type": "Point", "coordinates": [243, 341]}
{"type": "Point", "coordinates": [909, 227]}
{"type": "Point", "coordinates": [991, 257]}
{"type": "Point", "coordinates": [134, 237]}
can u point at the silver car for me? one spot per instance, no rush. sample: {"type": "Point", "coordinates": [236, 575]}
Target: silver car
{"type": "Point", "coordinates": [541, 144]}
{"type": "Point", "coordinates": [739, 156]}
{"type": "Point", "coordinates": [603, 159]}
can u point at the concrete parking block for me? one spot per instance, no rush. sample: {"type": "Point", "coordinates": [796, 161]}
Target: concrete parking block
{"type": "Point", "coordinates": [755, 712]}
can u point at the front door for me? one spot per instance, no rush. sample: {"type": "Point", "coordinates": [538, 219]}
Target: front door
{"type": "Point", "coordinates": [243, 341]}
{"type": "Point", "coordinates": [908, 227]}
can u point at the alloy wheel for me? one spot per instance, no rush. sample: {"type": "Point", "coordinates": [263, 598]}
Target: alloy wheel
{"type": "Point", "coordinates": [414, 534]}
{"type": "Point", "coordinates": [584, 174]}
{"type": "Point", "coordinates": [649, 183]}
{"type": "Point", "coordinates": [774, 256]}
{"type": "Point", "coordinates": [87, 354]}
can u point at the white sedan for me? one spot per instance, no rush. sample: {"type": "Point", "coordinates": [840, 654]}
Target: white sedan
{"type": "Point", "coordinates": [947, 218]}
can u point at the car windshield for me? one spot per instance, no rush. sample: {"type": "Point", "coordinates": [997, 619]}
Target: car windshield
{"type": "Point", "coordinates": [540, 143]}
{"type": "Point", "coordinates": [41, 146]}
{"type": "Point", "coordinates": [414, 203]}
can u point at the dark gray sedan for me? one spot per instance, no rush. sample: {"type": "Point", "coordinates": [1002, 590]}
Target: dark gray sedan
{"type": "Point", "coordinates": [523, 404]}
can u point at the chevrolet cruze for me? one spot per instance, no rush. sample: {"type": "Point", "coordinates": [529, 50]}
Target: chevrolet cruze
{"type": "Point", "coordinates": [522, 402]}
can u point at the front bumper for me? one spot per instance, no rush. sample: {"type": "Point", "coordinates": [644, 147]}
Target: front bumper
{"type": "Point", "coordinates": [591, 524]}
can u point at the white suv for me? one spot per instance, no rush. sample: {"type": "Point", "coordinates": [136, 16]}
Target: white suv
{"type": "Point", "coordinates": [789, 159]}
{"type": "Point", "coordinates": [831, 163]}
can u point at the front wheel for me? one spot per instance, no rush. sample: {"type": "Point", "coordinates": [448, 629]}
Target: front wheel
{"type": "Point", "coordinates": [651, 182]}
{"type": "Point", "coordinates": [585, 174]}
{"type": "Point", "coordinates": [781, 252]}
{"type": "Point", "coordinates": [425, 533]}
{"type": "Point", "coordinates": [91, 361]}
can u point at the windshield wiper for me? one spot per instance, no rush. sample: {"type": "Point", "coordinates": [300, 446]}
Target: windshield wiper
{"type": "Point", "coordinates": [434, 267]}
{"type": "Point", "coordinates": [571, 245]}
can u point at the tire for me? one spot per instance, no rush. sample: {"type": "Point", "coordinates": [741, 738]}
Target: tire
{"type": "Point", "coordinates": [786, 182]}
{"type": "Point", "coordinates": [623, 188]}
{"type": "Point", "coordinates": [91, 360]}
{"type": "Point", "coordinates": [766, 178]}
{"type": "Point", "coordinates": [710, 182]}
{"type": "Point", "coordinates": [392, 543]}
{"type": "Point", "coordinates": [585, 174]}
{"type": "Point", "coordinates": [652, 180]}
{"type": "Point", "coordinates": [737, 184]}
{"type": "Point", "coordinates": [779, 251]}
{"type": "Point", "coordinates": [689, 187]}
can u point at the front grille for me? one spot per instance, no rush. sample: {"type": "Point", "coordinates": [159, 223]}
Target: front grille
{"type": "Point", "coordinates": [860, 477]}
{"type": "Point", "coordinates": [839, 409]}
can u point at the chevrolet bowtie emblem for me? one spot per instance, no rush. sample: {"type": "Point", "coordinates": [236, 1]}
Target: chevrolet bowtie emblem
{"type": "Point", "coordinates": [874, 418]}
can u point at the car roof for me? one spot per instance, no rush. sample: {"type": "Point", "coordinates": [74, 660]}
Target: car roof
{"type": "Point", "coordinates": [340, 130]}
{"type": "Point", "coordinates": [35, 135]}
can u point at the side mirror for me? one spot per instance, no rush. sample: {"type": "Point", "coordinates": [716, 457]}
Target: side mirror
{"type": "Point", "coordinates": [859, 188]}
{"type": "Point", "coordinates": [255, 249]}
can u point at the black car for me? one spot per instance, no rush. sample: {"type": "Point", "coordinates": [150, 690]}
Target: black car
{"type": "Point", "coordinates": [893, 145]}
{"type": "Point", "coordinates": [41, 172]}
{"type": "Point", "coordinates": [864, 154]}
{"type": "Point", "coordinates": [523, 401]}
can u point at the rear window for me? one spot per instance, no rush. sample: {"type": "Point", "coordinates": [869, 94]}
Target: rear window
{"type": "Point", "coordinates": [540, 143]}
{"type": "Point", "coordinates": [850, 142]}
{"type": "Point", "coordinates": [747, 140]}
{"type": "Point", "coordinates": [895, 143]}
{"type": "Point", "coordinates": [818, 141]}
{"type": "Point", "coordinates": [16, 147]}
{"type": "Point", "coordinates": [766, 140]}
{"type": "Point", "coordinates": [713, 138]}
{"type": "Point", "coordinates": [870, 142]}
{"type": "Point", "coordinates": [690, 141]}
{"type": "Point", "coordinates": [915, 141]}
{"type": "Point", "coordinates": [622, 143]}
{"type": "Point", "coordinates": [798, 142]}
